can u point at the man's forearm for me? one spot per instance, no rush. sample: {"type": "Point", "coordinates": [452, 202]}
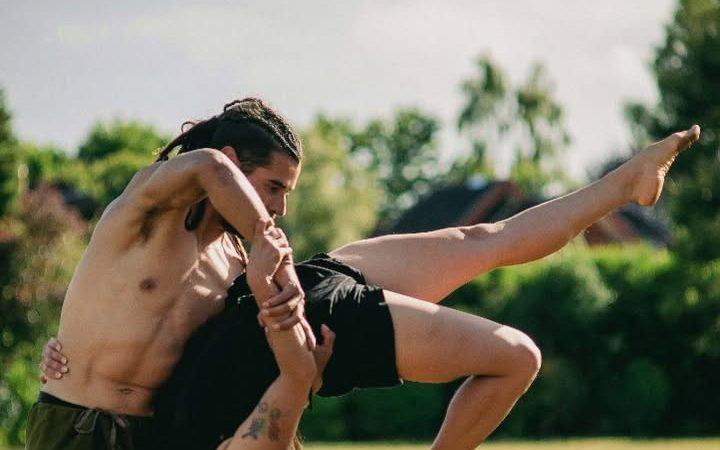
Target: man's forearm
{"type": "Point", "coordinates": [232, 195]}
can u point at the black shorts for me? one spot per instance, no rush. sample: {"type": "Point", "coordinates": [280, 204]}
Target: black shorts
{"type": "Point", "coordinates": [364, 353]}
{"type": "Point", "coordinates": [227, 365]}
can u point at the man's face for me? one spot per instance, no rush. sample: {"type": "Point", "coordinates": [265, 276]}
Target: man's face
{"type": "Point", "coordinates": [274, 182]}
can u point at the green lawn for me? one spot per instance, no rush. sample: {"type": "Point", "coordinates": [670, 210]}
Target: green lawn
{"type": "Point", "coordinates": [579, 444]}
{"type": "Point", "coordinates": [570, 444]}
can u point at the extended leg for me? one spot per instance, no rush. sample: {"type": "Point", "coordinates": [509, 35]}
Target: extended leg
{"type": "Point", "coordinates": [435, 344]}
{"type": "Point", "coordinates": [431, 265]}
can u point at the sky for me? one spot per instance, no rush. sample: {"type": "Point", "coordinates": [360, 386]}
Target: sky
{"type": "Point", "coordinates": [66, 65]}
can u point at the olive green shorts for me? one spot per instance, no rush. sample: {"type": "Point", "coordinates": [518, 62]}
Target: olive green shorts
{"type": "Point", "coordinates": [55, 424]}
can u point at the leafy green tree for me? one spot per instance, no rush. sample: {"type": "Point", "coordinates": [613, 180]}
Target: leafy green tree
{"type": "Point", "coordinates": [525, 121]}
{"type": "Point", "coordinates": [483, 118]}
{"type": "Point", "coordinates": [402, 154]}
{"type": "Point", "coordinates": [106, 139]}
{"type": "Point", "coordinates": [44, 163]}
{"type": "Point", "coordinates": [110, 155]}
{"type": "Point", "coordinates": [107, 177]}
{"type": "Point", "coordinates": [48, 239]}
{"type": "Point", "coordinates": [335, 199]}
{"type": "Point", "coordinates": [6, 134]}
{"type": "Point", "coordinates": [9, 161]}
{"type": "Point", "coordinates": [686, 67]}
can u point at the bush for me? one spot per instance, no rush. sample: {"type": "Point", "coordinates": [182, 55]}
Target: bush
{"type": "Point", "coordinates": [48, 241]}
{"type": "Point", "coordinates": [410, 412]}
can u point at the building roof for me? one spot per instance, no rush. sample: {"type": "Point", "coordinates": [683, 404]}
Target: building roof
{"type": "Point", "coordinates": [485, 202]}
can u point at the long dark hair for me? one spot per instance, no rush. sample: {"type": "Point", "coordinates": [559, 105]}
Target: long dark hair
{"type": "Point", "coordinates": [249, 126]}
{"type": "Point", "coordinates": [252, 128]}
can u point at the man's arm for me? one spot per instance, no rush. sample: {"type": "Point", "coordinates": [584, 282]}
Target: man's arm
{"type": "Point", "coordinates": [188, 178]}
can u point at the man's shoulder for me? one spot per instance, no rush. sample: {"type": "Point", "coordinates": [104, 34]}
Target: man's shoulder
{"type": "Point", "coordinates": [128, 217]}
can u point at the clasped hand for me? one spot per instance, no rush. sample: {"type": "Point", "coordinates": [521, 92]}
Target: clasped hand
{"type": "Point", "coordinates": [272, 279]}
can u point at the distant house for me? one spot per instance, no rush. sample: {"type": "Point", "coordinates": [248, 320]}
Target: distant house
{"type": "Point", "coordinates": [478, 201]}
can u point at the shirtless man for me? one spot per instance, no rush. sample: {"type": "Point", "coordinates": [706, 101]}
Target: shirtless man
{"type": "Point", "coordinates": [501, 361]}
{"type": "Point", "coordinates": [158, 265]}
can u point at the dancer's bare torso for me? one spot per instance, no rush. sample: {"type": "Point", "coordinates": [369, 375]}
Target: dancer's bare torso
{"type": "Point", "coordinates": [143, 286]}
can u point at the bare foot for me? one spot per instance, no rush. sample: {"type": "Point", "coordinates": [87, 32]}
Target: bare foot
{"type": "Point", "coordinates": [649, 167]}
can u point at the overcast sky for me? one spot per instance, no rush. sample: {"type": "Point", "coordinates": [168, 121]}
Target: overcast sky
{"type": "Point", "coordinates": [65, 65]}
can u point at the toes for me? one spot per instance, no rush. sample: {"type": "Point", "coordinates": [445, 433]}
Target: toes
{"type": "Point", "coordinates": [694, 133]}
{"type": "Point", "coordinates": [684, 139]}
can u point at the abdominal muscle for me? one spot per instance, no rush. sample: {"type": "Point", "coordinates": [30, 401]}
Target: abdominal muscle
{"type": "Point", "coordinates": [122, 347]}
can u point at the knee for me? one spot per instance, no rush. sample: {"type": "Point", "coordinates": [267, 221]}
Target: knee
{"type": "Point", "coordinates": [527, 359]}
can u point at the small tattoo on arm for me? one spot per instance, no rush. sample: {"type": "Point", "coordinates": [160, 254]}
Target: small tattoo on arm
{"type": "Point", "coordinates": [274, 427]}
{"type": "Point", "coordinates": [258, 425]}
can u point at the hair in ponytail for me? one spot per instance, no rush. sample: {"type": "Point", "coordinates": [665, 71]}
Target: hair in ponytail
{"type": "Point", "coordinates": [249, 126]}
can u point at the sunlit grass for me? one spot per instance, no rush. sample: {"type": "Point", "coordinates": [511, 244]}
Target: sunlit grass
{"type": "Point", "coordinates": [574, 444]}
{"type": "Point", "coordinates": [569, 444]}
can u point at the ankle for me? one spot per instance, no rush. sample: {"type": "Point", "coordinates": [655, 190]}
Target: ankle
{"type": "Point", "coordinates": [623, 181]}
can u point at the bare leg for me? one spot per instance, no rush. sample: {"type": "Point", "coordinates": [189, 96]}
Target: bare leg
{"type": "Point", "coordinates": [431, 265]}
{"type": "Point", "coordinates": [435, 344]}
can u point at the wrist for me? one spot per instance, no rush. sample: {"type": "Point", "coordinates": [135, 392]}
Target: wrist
{"type": "Point", "coordinates": [299, 381]}
{"type": "Point", "coordinates": [296, 393]}
{"type": "Point", "coordinates": [260, 284]}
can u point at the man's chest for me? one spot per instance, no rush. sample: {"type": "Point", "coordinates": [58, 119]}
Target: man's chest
{"type": "Point", "coordinates": [204, 286]}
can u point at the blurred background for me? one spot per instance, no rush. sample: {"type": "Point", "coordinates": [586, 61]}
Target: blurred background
{"type": "Point", "coordinates": [414, 116]}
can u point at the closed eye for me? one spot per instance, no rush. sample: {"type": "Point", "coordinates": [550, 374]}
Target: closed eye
{"type": "Point", "coordinates": [276, 186]}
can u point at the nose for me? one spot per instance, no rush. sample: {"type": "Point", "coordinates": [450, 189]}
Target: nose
{"type": "Point", "coordinates": [279, 206]}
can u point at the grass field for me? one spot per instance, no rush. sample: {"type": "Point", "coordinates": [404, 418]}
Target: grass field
{"type": "Point", "coordinates": [571, 444]}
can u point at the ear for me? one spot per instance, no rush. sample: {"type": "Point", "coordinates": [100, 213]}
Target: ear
{"type": "Point", "coordinates": [230, 153]}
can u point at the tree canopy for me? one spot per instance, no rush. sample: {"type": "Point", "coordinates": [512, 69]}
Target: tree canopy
{"type": "Point", "coordinates": [686, 68]}
{"type": "Point", "coordinates": [522, 124]}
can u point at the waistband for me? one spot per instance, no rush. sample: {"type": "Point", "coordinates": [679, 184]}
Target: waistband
{"type": "Point", "coordinates": [86, 422]}
{"type": "Point", "coordinates": [44, 397]}
{"type": "Point", "coordinates": [50, 399]}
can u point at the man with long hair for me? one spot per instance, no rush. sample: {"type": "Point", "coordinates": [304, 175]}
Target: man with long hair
{"type": "Point", "coordinates": [158, 266]}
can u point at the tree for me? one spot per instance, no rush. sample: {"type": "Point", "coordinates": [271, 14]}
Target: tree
{"type": "Point", "coordinates": [8, 161]}
{"type": "Point", "coordinates": [109, 176]}
{"type": "Point", "coordinates": [402, 154]}
{"type": "Point", "coordinates": [107, 139]}
{"type": "Point", "coordinates": [110, 155]}
{"type": "Point", "coordinates": [37, 265]}
{"type": "Point", "coordinates": [6, 134]}
{"type": "Point", "coordinates": [525, 121]}
{"type": "Point", "coordinates": [686, 67]}
{"type": "Point", "coordinates": [335, 199]}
